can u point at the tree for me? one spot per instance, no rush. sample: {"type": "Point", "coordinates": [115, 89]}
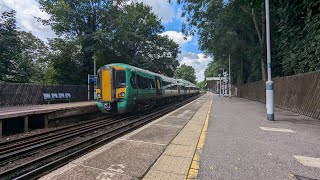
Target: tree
{"type": "Point", "coordinates": [187, 73]}
{"type": "Point", "coordinates": [226, 28]}
{"type": "Point", "coordinates": [21, 53]}
{"type": "Point", "coordinates": [202, 85]}
{"type": "Point", "coordinates": [10, 49]}
{"type": "Point", "coordinates": [65, 62]}
{"type": "Point", "coordinates": [238, 28]}
{"type": "Point", "coordinates": [32, 59]}
{"type": "Point", "coordinates": [135, 41]}
{"type": "Point", "coordinates": [81, 20]}
{"type": "Point", "coordinates": [113, 31]}
{"type": "Point", "coordinates": [296, 36]}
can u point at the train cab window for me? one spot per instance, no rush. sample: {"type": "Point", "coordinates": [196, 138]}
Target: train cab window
{"type": "Point", "coordinates": [98, 80]}
{"type": "Point", "coordinates": [120, 79]}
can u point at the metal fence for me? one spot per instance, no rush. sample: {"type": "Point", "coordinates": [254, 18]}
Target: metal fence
{"type": "Point", "coordinates": [20, 94]}
{"type": "Point", "coordinates": [299, 93]}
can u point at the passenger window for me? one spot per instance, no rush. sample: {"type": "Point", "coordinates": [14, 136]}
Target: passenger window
{"type": "Point", "coordinates": [145, 80]}
{"type": "Point", "coordinates": [141, 82]}
{"type": "Point", "coordinates": [152, 86]}
{"type": "Point", "coordinates": [133, 81]}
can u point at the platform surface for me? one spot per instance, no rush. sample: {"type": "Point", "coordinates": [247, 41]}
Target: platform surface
{"type": "Point", "coordinates": [241, 144]}
{"type": "Point", "coordinates": [165, 146]}
{"type": "Point", "coordinates": [16, 111]}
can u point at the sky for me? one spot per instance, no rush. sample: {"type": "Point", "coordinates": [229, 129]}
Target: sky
{"type": "Point", "coordinates": [170, 14]}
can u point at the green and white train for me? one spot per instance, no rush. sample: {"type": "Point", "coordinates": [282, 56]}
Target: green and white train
{"type": "Point", "coordinates": [122, 88]}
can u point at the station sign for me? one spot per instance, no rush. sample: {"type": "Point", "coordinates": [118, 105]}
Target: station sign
{"type": "Point", "coordinates": [92, 78]}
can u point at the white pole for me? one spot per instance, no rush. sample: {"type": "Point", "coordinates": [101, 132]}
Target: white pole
{"type": "Point", "coordinates": [223, 91]}
{"type": "Point", "coordinates": [88, 87]}
{"type": "Point", "coordinates": [220, 87]}
{"type": "Point", "coordinates": [229, 78]}
{"type": "Point", "coordinates": [95, 74]}
{"type": "Point", "coordinates": [94, 65]}
{"type": "Point", "coordinates": [269, 83]}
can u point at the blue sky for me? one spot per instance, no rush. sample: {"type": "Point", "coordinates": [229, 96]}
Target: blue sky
{"type": "Point", "coordinates": [168, 12]}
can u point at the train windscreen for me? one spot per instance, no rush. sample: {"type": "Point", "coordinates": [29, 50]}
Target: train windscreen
{"type": "Point", "coordinates": [120, 78]}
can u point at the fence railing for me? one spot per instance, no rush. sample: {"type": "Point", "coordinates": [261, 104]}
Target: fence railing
{"type": "Point", "coordinates": [298, 93]}
{"type": "Point", "coordinates": [20, 94]}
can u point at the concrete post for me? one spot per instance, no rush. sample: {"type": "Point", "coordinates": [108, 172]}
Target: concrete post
{"type": "Point", "coordinates": [26, 123]}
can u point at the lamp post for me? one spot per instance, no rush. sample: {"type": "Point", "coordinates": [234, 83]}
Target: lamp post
{"type": "Point", "coordinates": [269, 83]}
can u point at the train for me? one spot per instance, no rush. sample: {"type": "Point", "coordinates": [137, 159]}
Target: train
{"type": "Point", "coordinates": [122, 88]}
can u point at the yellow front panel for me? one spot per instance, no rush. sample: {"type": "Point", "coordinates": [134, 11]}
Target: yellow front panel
{"type": "Point", "coordinates": [118, 68]}
{"type": "Point", "coordinates": [106, 85]}
{"type": "Point", "coordinates": [98, 92]}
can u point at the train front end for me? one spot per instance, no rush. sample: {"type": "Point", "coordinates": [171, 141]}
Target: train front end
{"type": "Point", "coordinates": [112, 89]}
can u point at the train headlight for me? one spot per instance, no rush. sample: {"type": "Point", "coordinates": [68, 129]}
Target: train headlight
{"type": "Point", "coordinates": [122, 94]}
{"type": "Point", "coordinates": [99, 95]}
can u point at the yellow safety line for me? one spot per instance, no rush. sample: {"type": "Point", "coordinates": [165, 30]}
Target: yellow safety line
{"type": "Point", "coordinates": [194, 168]}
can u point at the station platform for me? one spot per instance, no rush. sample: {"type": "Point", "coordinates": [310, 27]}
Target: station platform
{"type": "Point", "coordinates": [166, 148]}
{"type": "Point", "coordinates": [230, 139]}
{"type": "Point", "coordinates": [241, 144]}
{"type": "Point", "coordinates": [47, 112]}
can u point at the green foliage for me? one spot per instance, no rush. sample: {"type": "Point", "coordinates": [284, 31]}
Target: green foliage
{"type": "Point", "coordinates": [64, 62]}
{"type": "Point", "coordinates": [297, 35]}
{"type": "Point", "coordinates": [113, 31]}
{"type": "Point", "coordinates": [226, 28]}
{"type": "Point", "coordinates": [135, 41]}
{"type": "Point", "coordinates": [34, 52]}
{"type": "Point", "coordinates": [202, 85]}
{"type": "Point", "coordinates": [10, 49]}
{"type": "Point", "coordinates": [21, 53]}
{"type": "Point", "coordinates": [81, 20]}
{"type": "Point", "coordinates": [187, 73]}
{"type": "Point", "coordinates": [238, 28]}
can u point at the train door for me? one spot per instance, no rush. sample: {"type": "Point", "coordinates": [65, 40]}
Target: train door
{"type": "Point", "coordinates": [134, 83]}
{"type": "Point", "coordinates": [178, 86]}
{"type": "Point", "coordinates": [158, 85]}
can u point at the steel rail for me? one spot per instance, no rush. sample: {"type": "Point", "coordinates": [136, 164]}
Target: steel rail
{"type": "Point", "coordinates": [25, 138]}
{"type": "Point", "coordinates": [34, 146]}
{"type": "Point", "coordinates": [23, 172]}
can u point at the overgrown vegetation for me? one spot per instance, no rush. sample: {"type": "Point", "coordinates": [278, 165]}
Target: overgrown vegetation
{"type": "Point", "coordinates": [238, 28]}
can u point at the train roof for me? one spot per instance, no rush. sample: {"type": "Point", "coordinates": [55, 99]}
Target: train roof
{"type": "Point", "coordinates": [155, 74]}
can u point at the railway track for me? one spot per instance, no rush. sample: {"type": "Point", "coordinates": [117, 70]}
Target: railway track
{"type": "Point", "coordinates": [80, 139]}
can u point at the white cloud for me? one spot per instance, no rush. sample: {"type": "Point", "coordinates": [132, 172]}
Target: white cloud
{"type": "Point", "coordinates": [198, 61]}
{"type": "Point", "coordinates": [162, 8]}
{"type": "Point", "coordinates": [177, 37]}
{"type": "Point", "coordinates": [27, 10]}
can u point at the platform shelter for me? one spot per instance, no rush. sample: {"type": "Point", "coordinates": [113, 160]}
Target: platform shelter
{"type": "Point", "coordinates": [213, 84]}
